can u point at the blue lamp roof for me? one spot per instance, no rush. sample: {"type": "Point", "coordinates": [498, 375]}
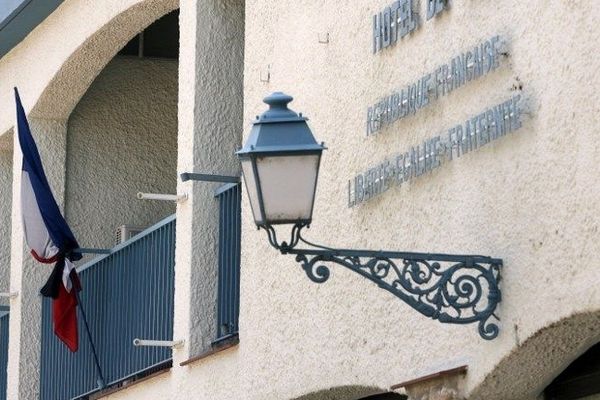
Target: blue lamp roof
{"type": "Point", "coordinates": [280, 130]}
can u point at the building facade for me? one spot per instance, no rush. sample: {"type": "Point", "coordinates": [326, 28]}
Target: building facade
{"type": "Point", "coordinates": [455, 127]}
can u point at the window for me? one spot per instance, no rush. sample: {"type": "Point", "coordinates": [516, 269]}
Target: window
{"type": "Point", "coordinates": [159, 40]}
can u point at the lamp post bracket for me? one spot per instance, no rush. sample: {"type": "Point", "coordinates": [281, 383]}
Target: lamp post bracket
{"type": "Point", "coordinates": [191, 176]}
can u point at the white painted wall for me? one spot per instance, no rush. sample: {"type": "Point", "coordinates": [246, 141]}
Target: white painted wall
{"type": "Point", "coordinates": [122, 139]}
{"type": "Point", "coordinates": [5, 220]}
{"type": "Point", "coordinates": [530, 198]}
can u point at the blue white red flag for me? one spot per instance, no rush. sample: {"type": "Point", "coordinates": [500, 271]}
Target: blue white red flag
{"type": "Point", "coordinates": [48, 235]}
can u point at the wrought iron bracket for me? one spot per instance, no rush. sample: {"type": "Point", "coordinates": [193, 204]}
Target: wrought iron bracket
{"type": "Point", "coordinates": [456, 289]}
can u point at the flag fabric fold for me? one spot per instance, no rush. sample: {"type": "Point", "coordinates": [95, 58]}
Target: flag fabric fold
{"type": "Point", "coordinates": [48, 235]}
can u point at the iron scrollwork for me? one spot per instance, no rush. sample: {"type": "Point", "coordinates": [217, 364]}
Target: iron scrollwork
{"type": "Point", "coordinates": [456, 289]}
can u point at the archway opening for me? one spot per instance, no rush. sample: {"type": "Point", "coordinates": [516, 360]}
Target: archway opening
{"type": "Point", "coordinates": [122, 139]}
{"type": "Point", "coordinates": [385, 396]}
{"type": "Point", "coordinates": [580, 380]}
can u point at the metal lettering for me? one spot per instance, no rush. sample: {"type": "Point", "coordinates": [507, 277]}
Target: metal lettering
{"type": "Point", "coordinates": [444, 73]}
{"type": "Point", "coordinates": [387, 23]}
{"type": "Point", "coordinates": [468, 138]}
{"type": "Point", "coordinates": [461, 145]}
{"type": "Point", "coordinates": [491, 124]}
{"type": "Point", "coordinates": [412, 17]}
{"type": "Point", "coordinates": [377, 34]}
{"type": "Point", "coordinates": [482, 126]}
{"type": "Point", "coordinates": [359, 190]}
{"type": "Point", "coordinates": [434, 7]}
{"type": "Point", "coordinates": [394, 22]}
{"type": "Point", "coordinates": [499, 120]}
{"type": "Point", "coordinates": [404, 21]}
{"type": "Point", "coordinates": [495, 51]}
{"type": "Point", "coordinates": [434, 152]}
{"type": "Point", "coordinates": [460, 69]}
{"type": "Point", "coordinates": [516, 120]}
{"type": "Point", "coordinates": [489, 55]}
{"type": "Point", "coordinates": [425, 86]}
{"type": "Point", "coordinates": [399, 168]}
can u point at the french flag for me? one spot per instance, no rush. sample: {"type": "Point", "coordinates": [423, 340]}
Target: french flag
{"type": "Point", "coordinates": [48, 236]}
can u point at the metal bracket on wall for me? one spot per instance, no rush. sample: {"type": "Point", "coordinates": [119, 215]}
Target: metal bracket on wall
{"type": "Point", "coordinates": [162, 197]}
{"type": "Point", "coordinates": [456, 289]}
{"type": "Point", "coordinates": [265, 78]}
{"type": "Point", "coordinates": [190, 176]}
{"type": "Point", "coordinates": [174, 344]}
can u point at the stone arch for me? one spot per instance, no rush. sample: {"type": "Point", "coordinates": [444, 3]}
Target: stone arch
{"type": "Point", "coordinates": [349, 392]}
{"type": "Point", "coordinates": [529, 368]}
{"type": "Point", "coordinates": [78, 71]}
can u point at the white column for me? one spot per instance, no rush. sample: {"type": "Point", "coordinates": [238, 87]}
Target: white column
{"type": "Point", "coordinates": [26, 275]}
{"type": "Point", "coordinates": [6, 157]}
{"type": "Point", "coordinates": [210, 130]}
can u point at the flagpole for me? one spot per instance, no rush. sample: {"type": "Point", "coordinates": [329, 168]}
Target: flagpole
{"type": "Point", "coordinates": [101, 383]}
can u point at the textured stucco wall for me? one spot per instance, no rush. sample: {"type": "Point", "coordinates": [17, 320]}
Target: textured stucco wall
{"type": "Point", "coordinates": [530, 198]}
{"type": "Point", "coordinates": [210, 115]}
{"type": "Point", "coordinates": [122, 139]}
{"type": "Point", "coordinates": [5, 209]}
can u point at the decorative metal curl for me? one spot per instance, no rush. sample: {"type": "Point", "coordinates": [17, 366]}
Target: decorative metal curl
{"type": "Point", "coordinates": [456, 289]}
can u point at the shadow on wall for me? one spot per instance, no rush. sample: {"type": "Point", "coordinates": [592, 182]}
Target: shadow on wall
{"type": "Point", "coordinates": [532, 366]}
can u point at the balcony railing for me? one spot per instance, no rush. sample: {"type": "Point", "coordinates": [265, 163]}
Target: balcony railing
{"type": "Point", "coordinates": [3, 349]}
{"type": "Point", "coordinates": [127, 294]}
{"type": "Point", "coordinates": [228, 304]}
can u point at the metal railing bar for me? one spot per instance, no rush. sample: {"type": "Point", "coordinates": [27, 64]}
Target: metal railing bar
{"type": "Point", "coordinates": [127, 243]}
{"type": "Point", "coordinates": [167, 364]}
{"type": "Point", "coordinates": [222, 189]}
{"type": "Point", "coordinates": [124, 305]}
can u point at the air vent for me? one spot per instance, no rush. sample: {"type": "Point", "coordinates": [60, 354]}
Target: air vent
{"type": "Point", "coordinates": [126, 232]}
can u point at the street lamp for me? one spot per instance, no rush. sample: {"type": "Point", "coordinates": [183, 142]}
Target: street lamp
{"type": "Point", "coordinates": [280, 163]}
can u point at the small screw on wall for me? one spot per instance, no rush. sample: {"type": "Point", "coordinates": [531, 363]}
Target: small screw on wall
{"type": "Point", "coordinates": [266, 77]}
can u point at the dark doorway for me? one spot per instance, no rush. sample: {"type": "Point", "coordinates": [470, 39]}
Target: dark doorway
{"type": "Point", "coordinates": [578, 380]}
{"type": "Point", "coordinates": [386, 396]}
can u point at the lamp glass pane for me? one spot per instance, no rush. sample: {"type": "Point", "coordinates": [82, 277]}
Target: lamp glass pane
{"type": "Point", "coordinates": [252, 190]}
{"type": "Point", "coordinates": [288, 186]}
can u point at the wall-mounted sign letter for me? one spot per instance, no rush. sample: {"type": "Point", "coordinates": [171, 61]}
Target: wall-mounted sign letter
{"type": "Point", "coordinates": [434, 7]}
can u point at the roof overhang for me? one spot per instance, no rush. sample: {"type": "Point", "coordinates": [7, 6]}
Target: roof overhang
{"type": "Point", "coordinates": [19, 17]}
